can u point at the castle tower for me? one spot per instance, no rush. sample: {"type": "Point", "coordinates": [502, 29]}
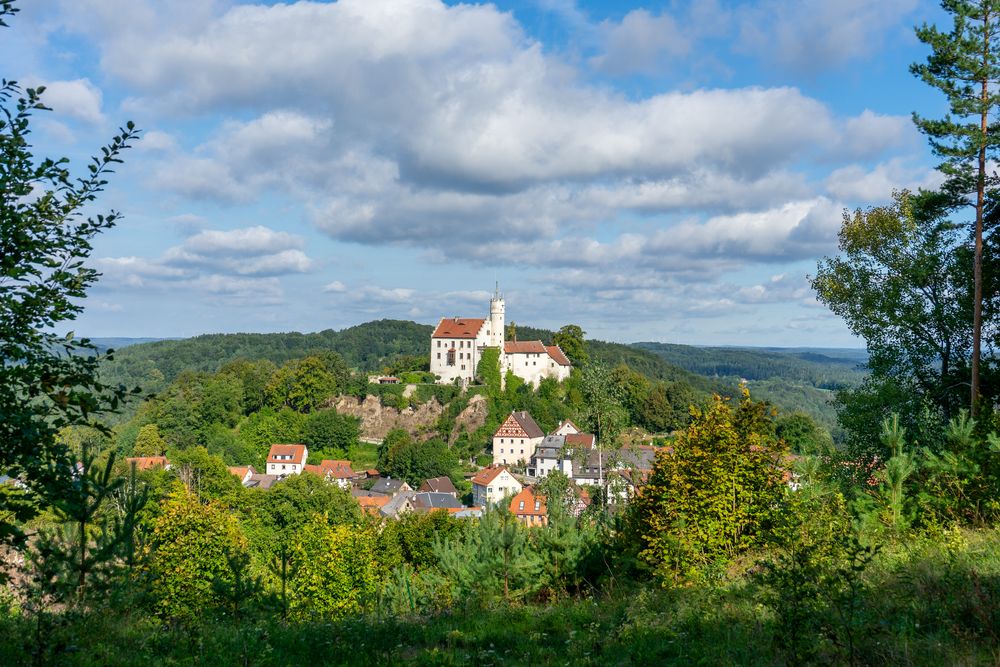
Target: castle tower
{"type": "Point", "coordinates": [496, 319]}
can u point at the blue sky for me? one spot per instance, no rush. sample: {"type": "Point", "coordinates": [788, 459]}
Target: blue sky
{"type": "Point", "coordinates": [651, 171]}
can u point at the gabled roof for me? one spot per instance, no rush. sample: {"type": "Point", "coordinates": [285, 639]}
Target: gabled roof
{"type": "Point", "coordinates": [486, 476]}
{"type": "Point", "coordinates": [396, 504]}
{"type": "Point", "coordinates": [241, 471]}
{"type": "Point", "coordinates": [438, 485]}
{"type": "Point", "coordinates": [524, 347]}
{"type": "Point", "coordinates": [388, 485]}
{"type": "Point", "coordinates": [568, 422]}
{"type": "Point", "coordinates": [580, 440]}
{"type": "Point", "coordinates": [297, 452]}
{"type": "Point", "coordinates": [149, 462]}
{"type": "Point", "coordinates": [529, 499]}
{"type": "Point", "coordinates": [261, 481]}
{"type": "Point", "coordinates": [435, 501]}
{"type": "Point", "coordinates": [520, 421]}
{"type": "Point", "coordinates": [332, 468]}
{"type": "Point", "coordinates": [372, 504]}
{"type": "Point", "coordinates": [458, 327]}
{"type": "Point", "coordinates": [557, 355]}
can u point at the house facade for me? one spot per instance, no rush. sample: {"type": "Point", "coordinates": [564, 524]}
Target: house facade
{"type": "Point", "coordinates": [335, 471]}
{"type": "Point", "coordinates": [491, 485]}
{"type": "Point", "coordinates": [516, 439]}
{"type": "Point", "coordinates": [458, 342]}
{"type": "Point", "coordinates": [284, 460]}
{"type": "Point", "coordinates": [529, 508]}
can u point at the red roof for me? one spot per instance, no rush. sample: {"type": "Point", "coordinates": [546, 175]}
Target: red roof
{"type": "Point", "coordinates": [486, 476]}
{"type": "Point", "coordinates": [241, 471]}
{"type": "Point", "coordinates": [297, 452]}
{"type": "Point", "coordinates": [557, 355]}
{"type": "Point", "coordinates": [585, 439]}
{"type": "Point", "coordinates": [372, 504]}
{"type": "Point", "coordinates": [458, 327]}
{"type": "Point", "coordinates": [519, 425]}
{"type": "Point", "coordinates": [528, 498]}
{"type": "Point", "coordinates": [526, 347]}
{"type": "Point", "coordinates": [147, 462]}
{"type": "Point", "coordinates": [334, 468]}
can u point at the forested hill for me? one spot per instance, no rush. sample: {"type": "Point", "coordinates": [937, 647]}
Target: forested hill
{"type": "Point", "coordinates": [365, 347]}
{"type": "Point", "coordinates": [823, 369]}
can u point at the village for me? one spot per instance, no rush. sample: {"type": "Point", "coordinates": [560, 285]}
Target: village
{"type": "Point", "coordinates": [523, 455]}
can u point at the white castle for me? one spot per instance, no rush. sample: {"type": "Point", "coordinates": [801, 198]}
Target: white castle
{"type": "Point", "coordinates": [458, 342]}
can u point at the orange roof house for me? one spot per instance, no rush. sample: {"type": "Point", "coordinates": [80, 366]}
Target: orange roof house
{"type": "Point", "coordinates": [529, 508]}
{"type": "Point", "coordinates": [149, 462]}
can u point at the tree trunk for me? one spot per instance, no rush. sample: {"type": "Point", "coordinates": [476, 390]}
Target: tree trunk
{"type": "Point", "coordinates": [977, 262]}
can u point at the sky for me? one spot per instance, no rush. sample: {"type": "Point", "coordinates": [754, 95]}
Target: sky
{"type": "Point", "coordinates": [667, 171]}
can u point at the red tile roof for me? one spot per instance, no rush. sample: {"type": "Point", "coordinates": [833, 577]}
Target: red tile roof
{"type": "Point", "coordinates": [147, 462]}
{"type": "Point", "coordinates": [438, 485]}
{"type": "Point", "coordinates": [372, 504]}
{"type": "Point", "coordinates": [458, 327]}
{"type": "Point", "coordinates": [334, 468]}
{"type": "Point", "coordinates": [525, 347]}
{"type": "Point", "coordinates": [297, 452]}
{"type": "Point", "coordinates": [528, 498]}
{"type": "Point", "coordinates": [557, 355]}
{"type": "Point", "coordinates": [585, 439]}
{"type": "Point", "coordinates": [486, 476]}
{"type": "Point", "coordinates": [241, 471]}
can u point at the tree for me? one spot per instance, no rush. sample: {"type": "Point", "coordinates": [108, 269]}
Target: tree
{"type": "Point", "coordinates": [149, 442]}
{"type": "Point", "coordinates": [714, 493]}
{"type": "Point", "coordinates": [602, 397]}
{"type": "Point", "coordinates": [301, 385]}
{"type": "Point", "coordinates": [204, 475]}
{"type": "Point", "coordinates": [330, 433]}
{"type": "Point", "coordinates": [47, 381]}
{"type": "Point", "coordinates": [570, 340]}
{"type": "Point", "coordinates": [189, 551]}
{"type": "Point", "coordinates": [902, 285]}
{"type": "Point", "coordinates": [964, 64]}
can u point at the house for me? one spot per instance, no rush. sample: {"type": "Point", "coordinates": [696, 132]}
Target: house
{"type": "Point", "coordinates": [529, 508]}
{"type": "Point", "coordinates": [335, 471]}
{"type": "Point", "coordinates": [285, 460]}
{"type": "Point", "coordinates": [397, 506]}
{"type": "Point", "coordinates": [372, 504]}
{"type": "Point", "coordinates": [559, 452]}
{"type": "Point", "coordinates": [149, 462]}
{"type": "Point", "coordinates": [516, 439]}
{"type": "Point", "coordinates": [566, 428]}
{"type": "Point", "coordinates": [426, 501]}
{"type": "Point", "coordinates": [439, 485]}
{"type": "Point", "coordinates": [390, 486]}
{"type": "Point", "coordinates": [491, 485]}
{"type": "Point", "coordinates": [243, 473]}
{"type": "Point", "coordinates": [261, 481]}
{"type": "Point", "coordinates": [457, 344]}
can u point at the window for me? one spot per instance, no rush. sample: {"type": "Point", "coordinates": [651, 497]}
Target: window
{"type": "Point", "coordinates": [439, 355]}
{"type": "Point", "coordinates": [282, 466]}
{"type": "Point", "coordinates": [520, 506]}
{"type": "Point", "coordinates": [536, 505]}
{"type": "Point", "coordinates": [439, 343]}
{"type": "Point", "coordinates": [463, 367]}
{"type": "Point", "coordinates": [451, 357]}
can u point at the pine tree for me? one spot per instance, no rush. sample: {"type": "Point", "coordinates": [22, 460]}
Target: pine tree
{"type": "Point", "coordinates": [965, 65]}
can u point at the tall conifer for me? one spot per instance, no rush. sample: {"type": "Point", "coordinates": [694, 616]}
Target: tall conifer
{"type": "Point", "coordinates": [964, 64]}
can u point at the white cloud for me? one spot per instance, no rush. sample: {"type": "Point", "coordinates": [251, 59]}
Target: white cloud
{"type": "Point", "coordinates": [641, 42]}
{"type": "Point", "coordinates": [859, 184]}
{"type": "Point", "coordinates": [156, 140]}
{"type": "Point", "coordinates": [78, 99]}
{"type": "Point", "coordinates": [814, 35]}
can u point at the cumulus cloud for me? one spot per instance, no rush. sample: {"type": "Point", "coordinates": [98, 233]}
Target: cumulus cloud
{"type": "Point", "coordinates": [859, 184]}
{"type": "Point", "coordinates": [78, 99]}
{"type": "Point", "coordinates": [641, 42]}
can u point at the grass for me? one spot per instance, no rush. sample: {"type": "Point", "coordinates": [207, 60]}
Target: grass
{"type": "Point", "coordinates": [925, 602]}
{"type": "Point", "coordinates": [363, 456]}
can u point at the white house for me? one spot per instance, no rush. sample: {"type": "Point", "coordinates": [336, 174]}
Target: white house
{"type": "Point", "coordinates": [457, 344]}
{"type": "Point", "coordinates": [561, 452]}
{"type": "Point", "coordinates": [566, 428]}
{"type": "Point", "coordinates": [516, 439]}
{"type": "Point", "coordinates": [493, 484]}
{"type": "Point", "coordinates": [284, 460]}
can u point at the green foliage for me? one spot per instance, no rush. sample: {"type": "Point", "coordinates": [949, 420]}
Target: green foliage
{"type": "Point", "coordinates": [488, 369]}
{"type": "Point", "coordinates": [47, 381]}
{"type": "Point", "coordinates": [403, 457]}
{"type": "Point", "coordinates": [335, 572]}
{"type": "Point", "coordinates": [189, 550]}
{"type": "Point", "coordinates": [268, 427]}
{"type": "Point", "coordinates": [329, 434]}
{"type": "Point", "coordinates": [302, 385]}
{"type": "Point", "coordinates": [204, 475]}
{"type": "Point", "coordinates": [802, 434]}
{"type": "Point", "coordinates": [570, 340]}
{"type": "Point", "coordinates": [714, 494]}
{"type": "Point", "coordinates": [149, 442]}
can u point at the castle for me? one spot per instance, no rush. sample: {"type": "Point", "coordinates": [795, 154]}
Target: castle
{"type": "Point", "coordinates": [458, 342]}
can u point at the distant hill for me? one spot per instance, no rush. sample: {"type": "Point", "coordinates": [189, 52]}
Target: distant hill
{"type": "Point", "coordinates": [826, 369]}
